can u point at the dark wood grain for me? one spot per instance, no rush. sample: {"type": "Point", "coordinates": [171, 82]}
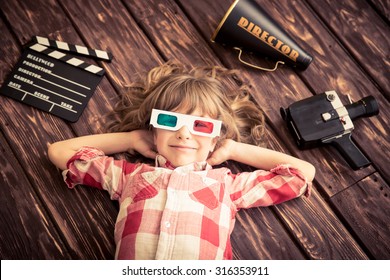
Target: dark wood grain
{"type": "Point", "coordinates": [332, 240]}
{"type": "Point", "coordinates": [83, 236]}
{"type": "Point", "coordinates": [316, 227]}
{"type": "Point", "coordinates": [365, 35]}
{"type": "Point", "coordinates": [365, 208]}
{"type": "Point", "coordinates": [347, 216]}
{"type": "Point", "coordinates": [107, 23]}
{"type": "Point", "coordinates": [383, 8]}
{"type": "Point", "coordinates": [26, 228]}
{"type": "Point", "coordinates": [59, 27]}
{"type": "Point", "coordinates": [257, 236]}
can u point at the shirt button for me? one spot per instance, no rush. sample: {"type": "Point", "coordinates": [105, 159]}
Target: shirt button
{"type": "Point", "coordinates": [167, 224]}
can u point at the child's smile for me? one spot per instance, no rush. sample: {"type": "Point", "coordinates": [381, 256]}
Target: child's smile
{"type": "Point", "coordinates": [182, 147]}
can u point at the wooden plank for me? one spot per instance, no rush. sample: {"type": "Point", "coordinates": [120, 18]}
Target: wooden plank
{"type": "Point", "coordinates": [27, 21]}
{"type": "Point", "coordinates": [365, 208]}
{"type": "Point", "coordinates": [64, 206]}
{"type": "Point", "coordinates": [312, 222]}
{"type": "Point", "coordinates": [316, 227]}
{"type": "Point", "coordinates": [74, 212]}
{"type": "Point", "coordinates": [259, 233]}
{"type": "Point", "coordinates": [333, 68]}
{"type": "Point", "coordinates": [308, 218]}
{"type": "Point", "coordinates": [258, 237]}
{"type": "Point", "coordinates": [26, 229]}
{"type": "Point", "coordinates": [363, 33]}
{"type": "Point", "coordinates": [28, 12]}
{"type": "Point", "coordinates": [28, 232]}
{"type": "Point", "coordinates": [272, 91]}
{"type": "Point", "coordinates": [108, 24]}
{"type": "Point", "coordinates": [383, 8]}
{"type": "Point", "coordinates": [168, 26]}
{"type": "Point", "coordinates": [105, 26]}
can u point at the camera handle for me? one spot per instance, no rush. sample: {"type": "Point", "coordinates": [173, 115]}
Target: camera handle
{"type": "Point", "coordinates": [351, 153]}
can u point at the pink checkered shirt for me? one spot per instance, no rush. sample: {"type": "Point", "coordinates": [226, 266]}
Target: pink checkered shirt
{"type": "Point", "coordinates": [179, 213]}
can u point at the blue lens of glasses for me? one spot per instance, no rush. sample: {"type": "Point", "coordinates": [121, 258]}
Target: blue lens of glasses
{"type": "Point", "coordinates": [167, 120]}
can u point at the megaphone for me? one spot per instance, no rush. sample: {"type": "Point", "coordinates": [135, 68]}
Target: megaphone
{"type": "Point", "coordinates": [247, 27]}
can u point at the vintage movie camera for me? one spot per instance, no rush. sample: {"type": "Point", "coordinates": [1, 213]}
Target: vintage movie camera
{"type": "Point", "coordinates": [323, 119]}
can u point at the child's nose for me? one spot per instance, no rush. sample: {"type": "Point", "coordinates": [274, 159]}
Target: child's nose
{"type": "Point", "coordinates": [183, 133]}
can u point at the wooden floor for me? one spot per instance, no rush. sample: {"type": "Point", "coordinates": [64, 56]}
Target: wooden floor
{"type": "Point", "coordinates": [348, 214]}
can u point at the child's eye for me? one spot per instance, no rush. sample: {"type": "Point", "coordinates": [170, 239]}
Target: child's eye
{"type": "Point", "coordinates": [200, 124]}
{"type": "Point", "coordinates": [203, 126]}
{"type": "Point", "coordinates": [167, 120]}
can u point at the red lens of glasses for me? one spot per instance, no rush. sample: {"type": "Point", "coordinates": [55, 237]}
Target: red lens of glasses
{"type": "Point", "coordinates": [203, 126]}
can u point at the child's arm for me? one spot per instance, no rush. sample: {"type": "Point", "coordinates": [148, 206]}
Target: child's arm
{"type": "Point", "coordinates": [110, 143]}
{"type": "Point", "coordinates": [259, 157]}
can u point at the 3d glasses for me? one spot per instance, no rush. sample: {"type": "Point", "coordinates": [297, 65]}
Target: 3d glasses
{"type": "Point", "coordinates": [196, 125]}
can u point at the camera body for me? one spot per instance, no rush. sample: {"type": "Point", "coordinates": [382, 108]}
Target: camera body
{"type": "Point", "coordinates": [323, 119]}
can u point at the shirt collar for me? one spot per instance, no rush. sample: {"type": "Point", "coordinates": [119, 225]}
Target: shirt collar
{"type": "Point", "coordinates": [196, 166]}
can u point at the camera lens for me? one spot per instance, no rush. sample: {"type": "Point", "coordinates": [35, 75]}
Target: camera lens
{"type": "Point", "coordinates": [365, 107]}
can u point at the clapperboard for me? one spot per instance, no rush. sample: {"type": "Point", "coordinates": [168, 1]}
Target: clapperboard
{"type": "Point", "coordinates": [53, 81]}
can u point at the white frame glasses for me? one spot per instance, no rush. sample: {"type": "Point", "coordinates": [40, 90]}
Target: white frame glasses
{"type": "Point", "coordinates": [196, 125]}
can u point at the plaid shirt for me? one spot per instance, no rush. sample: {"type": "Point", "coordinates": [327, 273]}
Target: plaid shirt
{"type": "Point", "coordinates": [179, 213]}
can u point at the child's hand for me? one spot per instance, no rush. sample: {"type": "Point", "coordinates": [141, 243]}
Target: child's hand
{"type": "Point", "coordinates": [223, 153]}
{"type": "Point", "coordinates": [142, 142]}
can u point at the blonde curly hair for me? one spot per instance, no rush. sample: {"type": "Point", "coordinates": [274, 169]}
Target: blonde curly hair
{"type": "Point", "coordinates": [211, 89]}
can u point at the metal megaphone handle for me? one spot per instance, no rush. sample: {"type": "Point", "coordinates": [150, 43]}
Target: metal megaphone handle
{"type": "Point", "coordinates": [255, 66]}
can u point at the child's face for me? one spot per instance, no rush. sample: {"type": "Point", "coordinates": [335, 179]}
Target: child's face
{"type": "Point", "coordinates": [181, 147]}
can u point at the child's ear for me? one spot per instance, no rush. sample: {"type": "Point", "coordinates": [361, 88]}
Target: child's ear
{"type": "Point", "coordinates": [154, 137]}
{"type": "Point", "coordinates": [214, 143]}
